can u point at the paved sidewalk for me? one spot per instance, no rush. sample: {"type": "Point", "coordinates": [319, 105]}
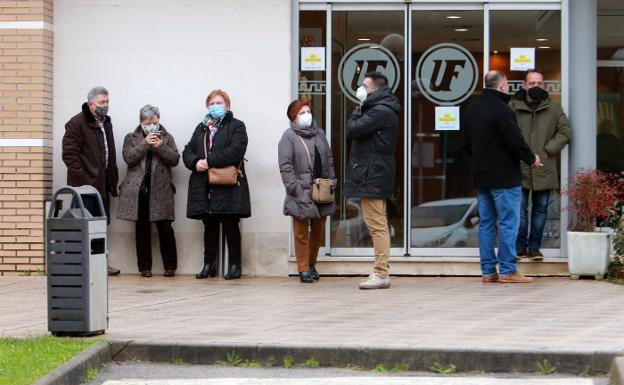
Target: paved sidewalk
{"type": "Point", "coordinates": [553, 314]}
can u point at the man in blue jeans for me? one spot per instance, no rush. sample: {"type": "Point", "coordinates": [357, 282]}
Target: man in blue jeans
{"type": "Point", "coordinates": [493, 141]}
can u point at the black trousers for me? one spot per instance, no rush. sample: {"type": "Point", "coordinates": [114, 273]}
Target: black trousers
{"type": "Point", "coordinates": [143, 237]}
{"type": "Point", "coordinates": [211, 238]}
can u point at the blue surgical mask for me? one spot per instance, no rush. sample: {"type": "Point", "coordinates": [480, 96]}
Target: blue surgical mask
{"type": "Point", "coordinates": [217, 111]}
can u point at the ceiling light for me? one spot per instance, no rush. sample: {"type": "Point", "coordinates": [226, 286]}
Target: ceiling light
{"type": "Point", "coordinates": [541, 39]}
{"type": "Point", "coordinates": [453, 17]}
{"type": "Point", "coordinates": [544, 47]}
{"type": "Point", "coordinates": [495, 51]}
{"type": "Point", "coordinates": [461, 29]}
{"type": "Point", "coordinates": [363, 39]}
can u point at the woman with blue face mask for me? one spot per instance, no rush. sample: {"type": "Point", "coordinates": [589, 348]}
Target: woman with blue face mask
{"type": "Point", "coordinates": [146, 195]}
{"type": "Point", "coordinates": [219, 141]}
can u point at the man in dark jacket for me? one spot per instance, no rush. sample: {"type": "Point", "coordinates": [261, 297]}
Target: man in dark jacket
{"type": "Point", "coordinates": [373, 129]}
{"type": "Point", "coordinates": [493, 140]}
{"type": "Point", "coordinates": [546, 129]}
{"type": "Point", "coordinates": [89, 151]}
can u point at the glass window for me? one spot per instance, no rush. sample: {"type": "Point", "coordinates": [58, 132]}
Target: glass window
{"type": "Point", "coordinates": [610, 86]}
{"type": "Point", "coordinates": [540, 30]}
{"type": "Point", "coordinates": [312, 33]}
{"type": "Point", "coordinates": [610, 32]}
{"type": "Point", "coordinates": [364, 41]}
{"type": "Point", "coordinates": [447, 52]}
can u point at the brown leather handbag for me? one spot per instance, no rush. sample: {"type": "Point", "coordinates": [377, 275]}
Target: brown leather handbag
{"type": "Point", "coordinates": [322, 188]}
{"type": "Point", "coordinates": [227, 176]}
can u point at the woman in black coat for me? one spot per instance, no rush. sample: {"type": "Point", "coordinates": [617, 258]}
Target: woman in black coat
{"type": "Point", "coordinates": [225, 139]}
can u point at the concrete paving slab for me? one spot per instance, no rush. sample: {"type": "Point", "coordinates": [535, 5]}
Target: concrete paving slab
{"type": "Point", "coordinates": [553, 314]}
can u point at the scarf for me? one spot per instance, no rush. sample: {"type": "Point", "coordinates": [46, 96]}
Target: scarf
{"type": "Point", "coordinates": [213, 125]}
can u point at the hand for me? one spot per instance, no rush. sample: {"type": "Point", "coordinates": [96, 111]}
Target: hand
{"type": "Point", "coordinates": [157, 142]}
{"type": "Point", "coordinates": [538, 161]}
{"type": "Point", "coordinates": [202, 165]}
{"type": "Point", "coordinates": [151, 139]}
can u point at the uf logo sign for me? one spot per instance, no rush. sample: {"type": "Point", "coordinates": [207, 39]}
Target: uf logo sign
{"type": "Point", "coordinates": [447, 74]}
{"type": "Point", "coordinates": [362, 59]}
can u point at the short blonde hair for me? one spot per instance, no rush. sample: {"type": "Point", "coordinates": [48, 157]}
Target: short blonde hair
{"type": "Point", "coordinates": [216, 93]}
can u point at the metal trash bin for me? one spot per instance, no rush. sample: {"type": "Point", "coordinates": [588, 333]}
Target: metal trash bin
{"type": "Point", "coordinates": [76, 265]}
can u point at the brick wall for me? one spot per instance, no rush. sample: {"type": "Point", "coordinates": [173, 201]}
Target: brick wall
{"type": "Point", "coordinates": [26, 46]}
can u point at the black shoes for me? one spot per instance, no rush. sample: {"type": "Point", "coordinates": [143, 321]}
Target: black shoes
{"type": "Point", "coordinates": [521, 252]}
{"type": "Point", "coordinates": [535, 255]}
{"type": "Point", "coordinates": [209, 270]}
{"type": "Point", "coordinates": [314, 273]}
{"type": "Point", "coordinates": [305, 277]}
{"type": "Point", "coordinates": [234, 272]}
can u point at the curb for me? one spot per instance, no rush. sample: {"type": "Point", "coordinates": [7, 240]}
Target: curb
{"type": "Point", "coordinates": [74, 371]}
{"type": "Point", "coordinates": [617, 371]}
{"type": "Point", "coordinates": [337, 356]}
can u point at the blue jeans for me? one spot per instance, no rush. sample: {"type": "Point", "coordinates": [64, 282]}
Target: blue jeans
{"type": "Point", "coordinates": [502, 207]}
{"type": "Point", "coordinates": [539, 212]}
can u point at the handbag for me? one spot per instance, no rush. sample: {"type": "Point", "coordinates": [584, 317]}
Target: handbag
{"type": "Point", "coordinates": [226, 176]}
{"type": "Point", "coordinates": [322, 188]}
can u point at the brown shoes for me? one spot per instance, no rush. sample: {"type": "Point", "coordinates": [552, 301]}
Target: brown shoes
{"type": "Point", "coordinates": [514, 278]}
{"type": "Point", "coordinates": [490, 278]}
{"type": "Point", "coordinates": [146, 274]}
{"type": "Point", "coordinates": [169, 273]}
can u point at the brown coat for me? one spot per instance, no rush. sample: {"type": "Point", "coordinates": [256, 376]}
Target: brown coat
{"type": "Point", "coordinates": [83, 153]}
{"type": "Point", "coordinates": [162, 190]}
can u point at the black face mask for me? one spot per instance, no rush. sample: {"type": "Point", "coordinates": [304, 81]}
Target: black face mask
{"type": "Point", "coordinates": [101, 111]}
{"type": "Point", "coordinates": [536, 93]}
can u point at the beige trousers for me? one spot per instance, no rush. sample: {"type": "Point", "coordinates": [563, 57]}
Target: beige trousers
{"type": "Point", "coordinates": [376, 220]}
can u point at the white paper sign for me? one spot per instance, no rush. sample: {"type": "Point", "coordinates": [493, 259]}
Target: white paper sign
{"type": "Point", "coordinates": [313, 58]}
{"type": "Point", "coordinates": [447, 118]}
{"type": "Point", "coordinates": [522, 59]}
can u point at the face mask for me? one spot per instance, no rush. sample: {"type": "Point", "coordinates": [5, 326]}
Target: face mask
{"type": "Point", "coordinates": [361, 93]}
{"type": "Point", "coordinates": [101, 111]}
{"type": "Point", "coordinates": [536, 93]}
{"type": "Point", "coordinates": [217, 111]}
{"type": "Point", "coordinates": [150, 128]}
{"type": "Point", "coordinates": [305, 120]}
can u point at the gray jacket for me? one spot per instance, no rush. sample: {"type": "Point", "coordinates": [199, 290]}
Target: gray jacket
{"type": "Point", "coordinates": [297, 173]}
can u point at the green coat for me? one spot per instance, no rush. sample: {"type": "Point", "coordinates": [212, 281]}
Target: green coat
{"type": "Point", "coordinates": [547, 131]}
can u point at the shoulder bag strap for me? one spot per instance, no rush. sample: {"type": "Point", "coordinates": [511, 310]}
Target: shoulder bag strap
{"type": "Point", "coordinates": [307, 152]}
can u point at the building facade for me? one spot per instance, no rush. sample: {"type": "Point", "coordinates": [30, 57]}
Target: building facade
{"type": "Point", "coordinates": [265, 53]}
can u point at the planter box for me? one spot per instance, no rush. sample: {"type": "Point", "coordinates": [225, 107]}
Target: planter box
{"type": "Point", "coordinates": [588, 253]}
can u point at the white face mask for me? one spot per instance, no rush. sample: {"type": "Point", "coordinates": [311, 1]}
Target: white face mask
{"type": "Point", "coordinates": [361, 93]}
{"type": "Point", "coordinates": [305, 119]}
{"type": "Point", "coordinates": [150, 128]}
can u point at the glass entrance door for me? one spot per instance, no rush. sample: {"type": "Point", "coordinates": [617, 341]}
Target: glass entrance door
{"type": "Point", "coordinates": [364, 41]}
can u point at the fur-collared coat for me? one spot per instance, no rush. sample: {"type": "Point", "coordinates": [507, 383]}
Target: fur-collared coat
{"type": "Point", "coordinates": [162, 190]}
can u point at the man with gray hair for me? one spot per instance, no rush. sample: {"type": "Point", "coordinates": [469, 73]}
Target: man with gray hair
{"type": "Point", "coordinates": [494, 142]}
{"type": "Point", "coordinates": [89, 151]}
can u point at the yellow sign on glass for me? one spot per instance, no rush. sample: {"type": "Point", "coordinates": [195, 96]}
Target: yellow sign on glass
{"type": "Point", "coordinates": [447, 118]}
{"type": "Point", "coordinates": [312, 58]}
{"type": "Point", "coordinates": [522, 59]}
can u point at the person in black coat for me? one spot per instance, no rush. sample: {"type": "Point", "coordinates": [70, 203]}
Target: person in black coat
{"type": "Point", "coordinates": [373, 130]}
{"type": "Point", "coordinates": [225, 139]}
{"type": "Point", "coordinates": [494, 142]}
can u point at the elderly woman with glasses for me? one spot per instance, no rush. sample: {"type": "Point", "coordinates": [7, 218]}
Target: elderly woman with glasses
{"type": "Point", "coordinates": [146, 195]}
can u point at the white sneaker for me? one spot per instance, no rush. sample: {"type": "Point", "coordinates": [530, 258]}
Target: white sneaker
{"type": "Point", "coordinates": [375, 281]}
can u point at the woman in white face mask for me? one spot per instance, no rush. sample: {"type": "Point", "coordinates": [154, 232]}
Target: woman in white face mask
{"type": "Point", "coordinates": [146, 196]}
{"type": "Point", "coordinates": [304, 155]}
